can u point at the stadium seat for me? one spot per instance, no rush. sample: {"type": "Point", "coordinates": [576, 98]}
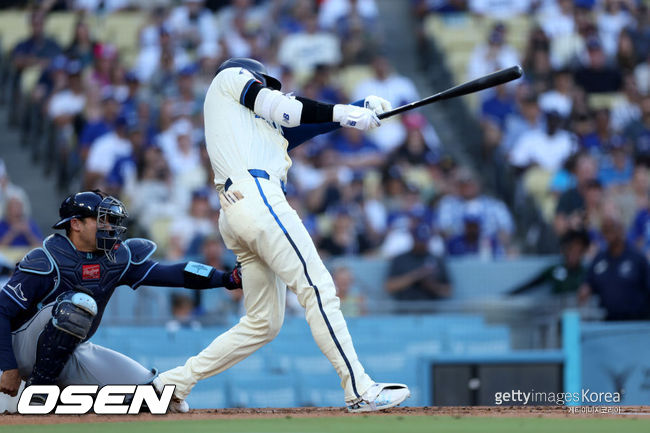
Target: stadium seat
{"type": "Point", "coordinates": [210, 393]}
{"type": "Point", "coordinates": [473, 278]}
{"type": "Point", "coordinates": [320, 390]}
{"type": "Point", "coordinates": [13, 28]}
{"type": "Point", "coordinates": [263, 390]}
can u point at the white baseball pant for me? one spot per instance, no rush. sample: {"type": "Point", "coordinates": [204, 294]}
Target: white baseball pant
{"type": "Point", "coordinates": [274, 249]}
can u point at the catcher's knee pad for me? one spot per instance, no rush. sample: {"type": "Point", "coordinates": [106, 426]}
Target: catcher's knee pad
{"type": "Point", "coordinates": [72, 318]}
{"type": "Point", "coordinates": [74, 313]}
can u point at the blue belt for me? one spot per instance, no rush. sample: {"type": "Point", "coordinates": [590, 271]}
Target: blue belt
{"type": "Point", "coordinates": [262, 174]}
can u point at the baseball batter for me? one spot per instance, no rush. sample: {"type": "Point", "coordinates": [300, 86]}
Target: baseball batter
{"type": "Point", "coordinates": [250, 126]}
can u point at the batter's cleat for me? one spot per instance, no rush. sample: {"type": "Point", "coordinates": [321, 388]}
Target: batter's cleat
{"type": "Point", "coordinates": [380, 396]}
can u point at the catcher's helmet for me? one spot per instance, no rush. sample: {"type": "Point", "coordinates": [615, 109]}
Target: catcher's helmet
{"type": "Point", "coordinates": [254, 67]}
{"type": "Point", "coordinates": [109, 211]}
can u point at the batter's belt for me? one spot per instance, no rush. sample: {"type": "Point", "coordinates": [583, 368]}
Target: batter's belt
{"type": "Point", "coordinates": [262, 174]}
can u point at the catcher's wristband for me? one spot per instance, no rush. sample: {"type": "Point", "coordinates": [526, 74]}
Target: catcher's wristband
{"type": "Point", "coordinates": [199, 276]}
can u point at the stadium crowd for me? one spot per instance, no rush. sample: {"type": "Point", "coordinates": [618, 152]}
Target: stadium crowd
{"type": "Point", "coordinates": [134, 129]}
{"type": "Point", "coordinates": [575, 132]}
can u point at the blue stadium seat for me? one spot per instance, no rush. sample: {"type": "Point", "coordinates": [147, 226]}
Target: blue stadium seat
{"type": "Point", "coordinates": [211, 393]}
{"type": "Point", "coordinates": [320, 390]}
{"type": "Point", "coordinates": [474, 278]}
{"type": "Point", "coordinates": [263, 390]}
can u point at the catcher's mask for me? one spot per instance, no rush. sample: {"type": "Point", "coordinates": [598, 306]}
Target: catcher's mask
{"type": "Point", "coordinates": [111, 215]}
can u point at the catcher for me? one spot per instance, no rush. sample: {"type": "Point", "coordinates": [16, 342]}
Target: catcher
{"type": "Point", "coordinates": [54, 302]}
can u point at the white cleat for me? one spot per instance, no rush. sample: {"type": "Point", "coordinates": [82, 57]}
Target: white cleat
{"type": "Point", "coordinates": [380, 396]}
{"type": "Point", "coordinates": [176, 405]}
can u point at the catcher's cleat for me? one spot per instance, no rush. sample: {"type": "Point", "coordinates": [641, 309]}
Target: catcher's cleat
{"type": "Point", "coordinates": [176, 405]}
{"type": "Point", "coordinates": [380, 396]}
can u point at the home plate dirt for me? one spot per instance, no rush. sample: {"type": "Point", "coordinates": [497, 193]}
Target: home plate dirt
{"type": "Point", "coordinates": [314, 412]}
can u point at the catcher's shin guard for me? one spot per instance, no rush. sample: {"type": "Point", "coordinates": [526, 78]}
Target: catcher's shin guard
{"type": "Point", "coordinates": [72, 318]}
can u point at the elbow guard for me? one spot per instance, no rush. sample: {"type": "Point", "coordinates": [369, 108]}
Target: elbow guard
{"type": "Point", "coordinates": [277, 107]}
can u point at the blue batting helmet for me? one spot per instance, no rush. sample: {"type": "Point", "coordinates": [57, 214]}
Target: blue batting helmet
{"type": "Point", "coordinates": [254, 67]}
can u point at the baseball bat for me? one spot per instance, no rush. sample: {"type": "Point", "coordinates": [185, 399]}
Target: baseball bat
{"type": "Point", "coordinates": [490, 80]}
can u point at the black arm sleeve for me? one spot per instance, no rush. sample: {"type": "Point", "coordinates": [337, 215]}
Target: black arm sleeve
{"type": "Point", "coordinates": [314, 111]}
{"type": "Point", "coordinates": [249, 94]}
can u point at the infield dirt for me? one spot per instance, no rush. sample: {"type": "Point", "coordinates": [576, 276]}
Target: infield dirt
{"type": "Point", "coordinates": [642, 412]}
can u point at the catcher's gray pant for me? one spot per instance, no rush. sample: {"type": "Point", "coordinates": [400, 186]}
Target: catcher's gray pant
{"type": "Point", "coordinates": [89, 364]}
{"type": "Point", "coordinates": [275, 251]}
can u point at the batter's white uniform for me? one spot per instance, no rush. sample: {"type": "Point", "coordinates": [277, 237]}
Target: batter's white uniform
{"type": "Point", "coordinates": [271, 243]}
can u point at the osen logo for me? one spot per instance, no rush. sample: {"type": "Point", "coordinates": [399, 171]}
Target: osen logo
{"type": "Point", "coordinates": [80, 399]}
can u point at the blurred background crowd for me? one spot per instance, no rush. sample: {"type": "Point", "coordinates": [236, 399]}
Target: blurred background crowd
{"type": "Point", "coordinates": [124, 114]}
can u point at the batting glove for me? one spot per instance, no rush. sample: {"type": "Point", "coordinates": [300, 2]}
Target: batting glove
{"type": "Point", "coordinates": [351, 116]}
{"type": "Point", "coordinates": [232, 280]}
{"type": "Point", "coordinates": [377, 104]}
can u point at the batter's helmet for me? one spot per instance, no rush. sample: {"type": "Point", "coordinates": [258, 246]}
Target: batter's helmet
{"type": "Point", "coordinates": [254, 67]}
{"type": "Point", "coordinates": [109, 211]}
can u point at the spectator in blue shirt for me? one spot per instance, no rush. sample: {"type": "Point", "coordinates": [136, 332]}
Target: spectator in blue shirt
{"type": "Point", "coordinates": [638, 132]}
{"type": "Point", "coordinates": [619, 275]}
{"type": "Point", "coordinates": [37, 48]}
{"type": "Point", "coordinates": [100, 123]}
{"type": "Point", "coordinates": [617, 167]}
{"type": "Point", "coordinates": [472, 242]}
{"type": "Point", "coordinates": [16, 229]}
{"type": "Point", "coordinates": [499, 107]}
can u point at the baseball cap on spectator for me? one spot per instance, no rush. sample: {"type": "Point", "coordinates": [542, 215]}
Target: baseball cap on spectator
{"type": "Point", "coordinates": [421, 233]}
{"type": "Point", "coordinates": [131, 77]}
{"type": "Point", "coordinates": [552, 114]}
{"type": "Point", "coordinates": [593, 43]}
{"type": "Point", "coordinates": [188, 71]}
{"type": "Point", "coordinates": [58, 63]}
{"type": "Point", "coordinates": [497, 34]}
{"type": "Point", "coordinates": [74, 67]}
{"type": "Point", "coordinates": [496, 38]}
{"type": "Point", "coordinates": [202, 193]}
{"type": "Point", "coordinates": [121, 121]}
{"type": "Point", "coordinates": [132, 125]}
{"type": "Point", "coordinates": [616, 143]}
{"type": "Point", "coordinates": [165, 30]}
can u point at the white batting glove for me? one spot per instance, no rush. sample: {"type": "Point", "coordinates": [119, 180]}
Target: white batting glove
{"type": "Point", "coordinates": [377, 104]}
{"type": "Point", "coordinates": [351, 116]}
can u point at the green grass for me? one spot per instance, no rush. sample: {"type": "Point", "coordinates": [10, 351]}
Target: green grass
{"type": "Point", "coordinates": [370, 424]}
